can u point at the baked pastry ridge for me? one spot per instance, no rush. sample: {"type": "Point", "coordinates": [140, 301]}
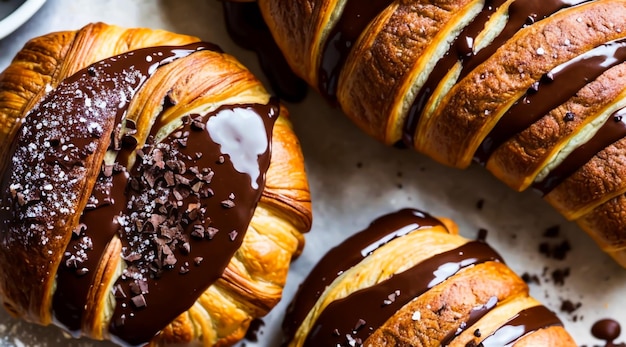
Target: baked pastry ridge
{"type": "Point", "coordinates": [407, 279]}
{"type": "Point", "coordinates": [532, 90]}
{"type": "Point", "coordinates": [135, 197]}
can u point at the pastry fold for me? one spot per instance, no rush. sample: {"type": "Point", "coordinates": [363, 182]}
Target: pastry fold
{"type": "Point", "coordinates": [410, 280]}
{"type": "Point", "coordinates": [533, 91]}
{"type": "Point", "coordinates": [153, 191]}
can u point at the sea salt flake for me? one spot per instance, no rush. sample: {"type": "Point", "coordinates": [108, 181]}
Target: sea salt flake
{"type": "Point", "coordinates": [416, 316]}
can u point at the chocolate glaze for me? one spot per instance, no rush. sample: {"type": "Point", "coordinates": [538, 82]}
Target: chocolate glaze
{"type": "Point", "coordinates": [372, 306]}
{"type": "Point", "coordinates": [525, 322]}
{"type": "Point", "coordinates": [173, 285]}
{"type": "Point", "coordinates": [555, 88]}
{"type": "Point", "coordinates": [613, 130]}
{"type": "Point", "coordinates": [246, 27]}
{"type": "Point", "coordinates": [347, 254]}
{"type": "Point", "coordinates": [354, 19]}
{"type": "Point", "coordinates": [228, 208]}
{"type": "Point", "coordinates": [521, 13]}
{"type": "Point", "coordinates": [607, 330]}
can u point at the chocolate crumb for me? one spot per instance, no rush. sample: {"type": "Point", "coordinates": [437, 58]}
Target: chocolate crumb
{"type": "Point", "coordinates": [569, 307]}
{"type": "Point", "coordinates": [569, 116]}
{"type": "Point", "coordinates": [482, 234]}
{"type": "Point", "coordinates": [220, 159]}
{"type": "Point", "coordinates": [198, 260]}
{"type": "Point", "coordinates": [529, 279]}
{"type": "Point", "coordinates": [559, 276]}
{"type": "Point", "coordinates": [477, 333]}
{"type": "Point", "coordinates": [480, 203]}
{"type": "Point", "coordinates": [254, 330]}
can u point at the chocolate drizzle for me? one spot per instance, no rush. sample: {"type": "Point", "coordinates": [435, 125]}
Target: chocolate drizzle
{"type": "Point", "coordinates": [347, 254]}
{"type": "Point", "coordinates": [555, 88]}
{"type": "Point", "coordinates": [521, 13]}
{"type": "Point", "coordinates": [374, 305]}
{"type": "Point", "coordinates": [354, 19]}
{"type": "Point", "coordinates": [526, 321]}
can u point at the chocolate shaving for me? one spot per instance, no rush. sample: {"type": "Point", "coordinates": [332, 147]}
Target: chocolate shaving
{"type": "Point", "coordinates": [232, 235]}
{"type": "Point", "coordinates": [228, 204]}
{"type": "Point", "coordinates": [139, 301]}
{"type": "Point", "coordinates": [79, 229]}
{"type": "Point", "coordinates": [118, 292]}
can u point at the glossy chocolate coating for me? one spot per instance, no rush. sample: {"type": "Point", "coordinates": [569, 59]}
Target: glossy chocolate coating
{"type": "Point", "coordinates": [335, 326]}
{"type": "Point", "coordinates": [521, 13]}
{"type": "Point", "coordinates": [526, 321]}
{"type": "Point", "coordinates": [121, 202]}
{"type": "Point", "coordinates": [347, 254]}
{"type": "Point", "coordinates": [555, 88]}
{"type": "Point", "coordinates": [227, 208]}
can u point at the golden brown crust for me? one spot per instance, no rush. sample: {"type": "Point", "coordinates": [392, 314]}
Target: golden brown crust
{"type": "Point", "coordinates": [605, 224]}
{"type": "Point", "coordinates": [388, 57]}
{"type": "Point", "coordinates": [253, 281]}
{"type": "Point", "coordinates": [302, 24]}
{"type": "Point", "coordinates": [551, 336]}
{"type": "Point", "coordinates": [599, 180]}
{"type": "Point", "coordinates": [443, 308]}
{"type": "Point", "coordinates": [519, 160]}
{"type": "Point", "coordinates": [472, 108]}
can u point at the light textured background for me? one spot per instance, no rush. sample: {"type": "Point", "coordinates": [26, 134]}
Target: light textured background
{"type": "Point", "coordinates": [354, 179]}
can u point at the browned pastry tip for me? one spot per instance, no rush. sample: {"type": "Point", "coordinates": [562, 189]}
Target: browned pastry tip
{"type": "Point", "coordinates": [406, 280]}
{"type": "Point", "coordinates": [133, 198]}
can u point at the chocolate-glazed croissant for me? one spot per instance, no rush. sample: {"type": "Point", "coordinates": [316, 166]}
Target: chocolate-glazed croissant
{"type": "Point", "coordinates": [152, 190]}
{"type": "Point", "coordinates": [410, 280]}
{"type": "Point", "coordinates": [534, 90]}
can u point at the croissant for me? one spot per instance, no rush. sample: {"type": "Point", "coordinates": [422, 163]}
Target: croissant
{"type": "Point", "coordinates": [410, 280]}
{"type": "Point", "coordinates": [533, 90]}
{"type": "Point", "coordinates": [152, 191]}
